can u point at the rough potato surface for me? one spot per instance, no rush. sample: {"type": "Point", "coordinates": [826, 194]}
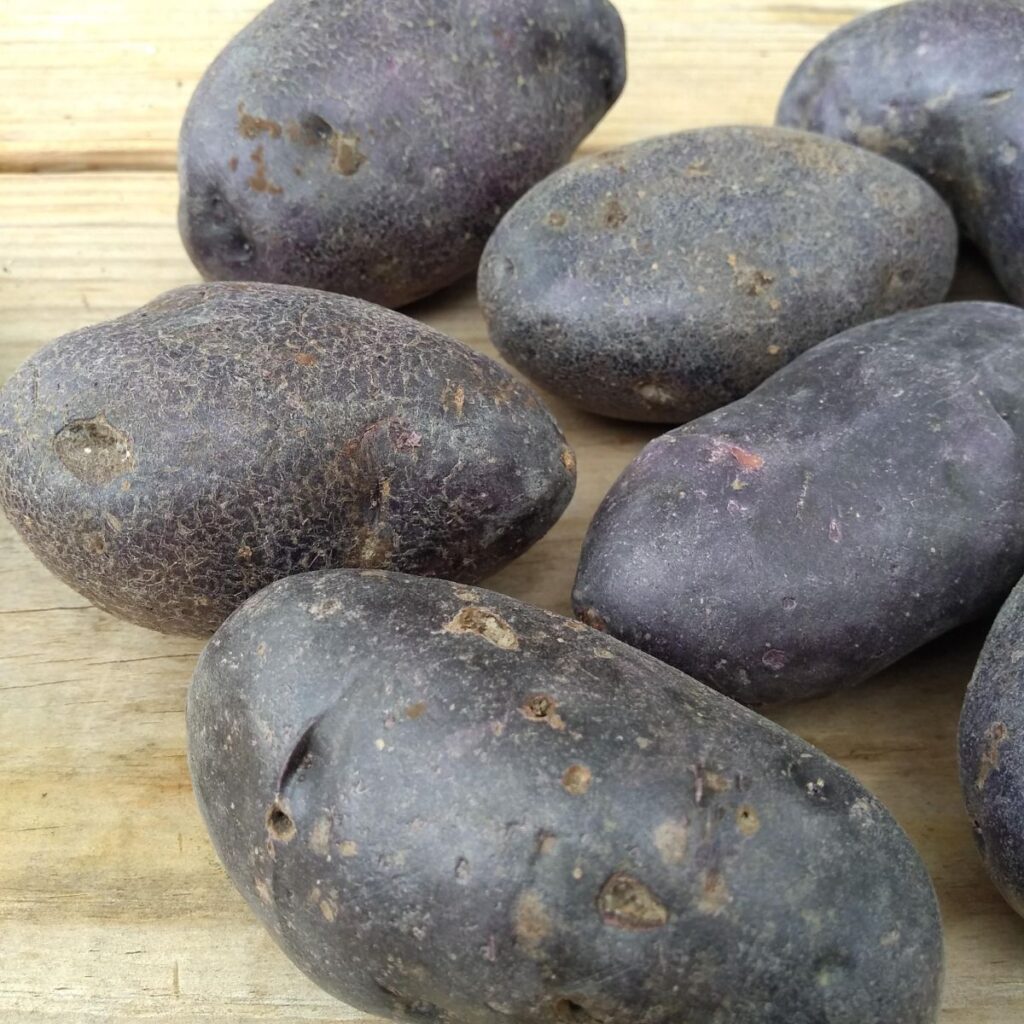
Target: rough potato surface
{"type": "Point", "coordinates": [172, 462]}
{"type": "Point", "coordinates": [450, 806]}
{"type": "Point", "coordinates": [937, 85]}
{"type": "Point", "coordinates": [992, 751]}
{"type": "Point", "coordinates": [864, 500]}
{"type": "Point", "coordinates": [668, 278]}
{"type": "Point", "coordinates": [370, 146]}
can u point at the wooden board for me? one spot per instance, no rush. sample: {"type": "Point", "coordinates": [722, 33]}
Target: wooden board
{"type": "Point", "coordinates": [112, 905]}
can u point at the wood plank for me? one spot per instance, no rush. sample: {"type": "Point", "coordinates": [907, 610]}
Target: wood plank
{"type": "Point", "coordinates": [104, 85]}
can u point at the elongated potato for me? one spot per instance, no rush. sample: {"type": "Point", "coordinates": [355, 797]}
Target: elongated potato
{"type": "Point", "coordinates": [172, 462]}
{"type": "Point", "coordinates": [992, 751]}
{"type": "Point", "coordinates": [447, 805]}
{"type": "Point", "coordinates": [668, 278]}
{"type": "Point", "coordinates": [864, 500]}
{"type": "Point", "coordinates": [370, 146]}
{"type": "Point", "coordinates": [937, 85]}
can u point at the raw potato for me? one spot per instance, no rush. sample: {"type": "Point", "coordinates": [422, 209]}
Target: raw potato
{"type": "Point", "coordinates": [866, 499]}
{"type": "Point", "coordinates": [937, 85]}
{"type": "Point", "coordinates": [172, 462]}
{"type": "Point", "coordinates": [992, 751]}
{"type": "Point", "coordinates": [663, 280]}
{"type": "Point", "coordinates": [450, 806]}
{"type": "Point", "coordinates": [370, 146]}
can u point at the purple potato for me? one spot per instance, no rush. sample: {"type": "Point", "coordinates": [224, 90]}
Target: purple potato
{"type": "Point", "coordinates": [663, 280]}
{"type": "Point", "coordinates": [992, 751]}
{"type": "Point", "coordinates": [370, 146]}
{"type": "Point", "coordinates": [446, 805]}
{"type": "Point", "coordinates": [937, 85]}
{"type": "Point", "coordinates": [866, 499]}
{"type": "Point", "coordinates": [172, 462]}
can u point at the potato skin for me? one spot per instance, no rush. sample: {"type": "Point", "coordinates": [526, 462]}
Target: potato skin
{"type": "Point", "coordinates": [861, 502]}
{"type": "Point", "coordinates": [448, 805]}
{"type": "Point", "coordinates": [172, 462]}
{"type": "Point", "coordinates": [992, 751]}
{"type": "Point", "coordinates": [668, 278]}
{"type": "Point", "coordinates": [370, 146]}
{"type": "Point", "coordinates": [937, 85]}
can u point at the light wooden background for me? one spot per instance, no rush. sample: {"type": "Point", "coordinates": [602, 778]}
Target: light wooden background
{"type": "Point", "coordinates": [112, 906]}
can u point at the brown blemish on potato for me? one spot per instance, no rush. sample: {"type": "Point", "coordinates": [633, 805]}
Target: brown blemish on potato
{"type": "Point", "coordinates": [614, 214]}
{"type": "Point", "coordinates": [454, 398]}
{"type": "Point", "coordinates": [714, 893]}
{"type": "Point", "coordinates": [670, 840]}
{"type": "Point", "coordinates": [593, 618]}
{"type": "Point", "coordinates": [279, 822]}
{"type": "Point", "coordinates": [94, 451]}
{"type": "Point", "coordinates": [252, 127]}
{"type": "Point", "coordinates": [546, 844]}
{"type": "Point", "coordinates": [346, 157]}
{"type": "Point", "coordinates": [329, 909]}
{"type": "Point", "coordinates": [557, 219]}
{"type": "Point", "coordinates": [348, 848]}
{"type": "Point", "coordinates": [997, 735]}
{"type": "Point", "coordinates": [485, 623]}
{"type": "Point", "coordinates": [93, 542]}
{"type": "Point", "coordinates": [697, 169]}
{"type": "Point", "coordinates": [890, 939]}
{"type": "Point", "coordinates": [304, 358]}
{"type": "Point", "coordinates": [531, 921]}
{"type": "Point", "coordinates": [414, 711]}
{"type": "Point", "coordinates": [244, 553]}
{"type": "Point", "coordinates": [233, 164]}
{"type": "Point", "coordinates": [258, 181]}
{"type": "Point", "coordinates": [325, 609]}
{"type": "Point", "coordinates": [747, 821]}
{"type": "Point", "coordinates": [320, 836]}
{"type": "Point", "coordinates": [747, 461]}
{"type": "Point", "coordinates": [542, 708]}
{"type": "Point", "coordinates": [569, 459]}
{"type": "Point", "coordinates": [625, 902]}
{"type": "Point", "coordinates": [467, 595]}
{"type": "Point", "coordinates": [263, 891]}
{"type": "Point", "coordinates": [749, 279]}
{"type": "Point", "coordinates": [653, 393]}
{"type": "Point", "coordinates": [576, 779]}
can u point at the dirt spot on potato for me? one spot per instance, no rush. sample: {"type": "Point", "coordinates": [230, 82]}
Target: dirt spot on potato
{"type": "Point", "coordinates": [748, 821]}
{"type": "Point", "coordinates": [614, 214]}
{"type": "Point", "coordinates": [279, 822]}
{"type": "Point", "coordinates": [94, 451]}
{"type": "Point", "coordinates": [569, 459]}
{"type": "Point", "coordinates": [625, 902]}
{"type": "Point", "coordinates": [453, 399]}
{"type": "Point", "coordinates": [304, 358]}
{"type": "Point", "coordinates": [670, 840]}
{"type": "Point", "coordinates": [593, 618]}
{"type": "Point", "coordinates": [714, 893]}
{"type": "Point", "coordinates": [258, 181]}
{"type": "Point", "coordinates": [92, 542]}
{"type": "Point", "coordinates": [996, 736]}
{"type": "Point", "coordinates": [263, 891]}
{"type": "Point", "coordinates": [414, 711]}
{"type": "Point", "coordinates": [652, 393]}
{"type": "Point", "coordinates": [325, 609]}
{"type": "Point", "coordinates": [531, 921]}
{"type": "Point", "coordinates": [346, 157]}
{"type": "Point", "coordinates": [557, 219]}
{"type": "Point", "coordinates": [348, 848]}
{"type": "Point", "coordinates": [329, 909]}
{"type": "Point", "coordinates": [320, 836]}
{"type": "Point", "coordinates": [252, 127]}
{"type": "Point", "coordinates": [546, 844]}
{"type": "Point", "coordinates": [542, 708]}
{"type": "Point", "coordinates": [577, 779]}
{"type": "Point", "coordinates": [749, 279]}
{"type": "Point", "coordinates": [484, 623]}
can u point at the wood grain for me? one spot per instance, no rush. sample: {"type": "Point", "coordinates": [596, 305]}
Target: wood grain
{"type": "Point", "coordinates": [112, 906]}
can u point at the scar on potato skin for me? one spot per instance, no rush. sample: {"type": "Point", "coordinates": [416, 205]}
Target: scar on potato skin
{"type": "Point", "coordinates": [485, 623]}
{"type": "Point", "coordinates": [671, 839]}
{"type": "Point", "coordinates": [748, 821]}
{"type": "Point", "coordinates": [996, 735]}
{"type": "Point", "coordinates": [279, 822]}
{"type": "Point", "coordinates": [593, 618]}
{"type": "Point", "coordinates": [252, 127]}
{"type": "Point", "coordinates": [258, 181]}
{"type": "Point", "coordinates": [94, 450]}
{"type": "Point", "coordinates": [714, 893]}
{"type": "Point", "coordinates": [531, 920]}
{"type": "Point", "coordinates": [746, 460]}
{"type": "Point", "coordinates": [577, 779]}
{"type": "Point", "coordinates": [542, 708]}
{"type": "Point", "coordinates": [627, 903]}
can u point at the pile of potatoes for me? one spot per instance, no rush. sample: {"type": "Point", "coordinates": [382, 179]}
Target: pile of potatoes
{"type": "Point", "coordinates": [446, 805]}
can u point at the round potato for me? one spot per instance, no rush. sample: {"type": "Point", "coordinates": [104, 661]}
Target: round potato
{"type": "Point", "coordinates": [937, 85]}
{"type": "Point", "coordinates": [172, 462]}
{"type": "Point", "coordinates": [861, 502]}
{"type": "Point", "coordinates": [370, 146]}
{"type": "Point", "coordinates": [663, 280]}
{"type": "Point", "coordinates": [992, 751]}
{"type": "Point", "coordinates": [449, 806]}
